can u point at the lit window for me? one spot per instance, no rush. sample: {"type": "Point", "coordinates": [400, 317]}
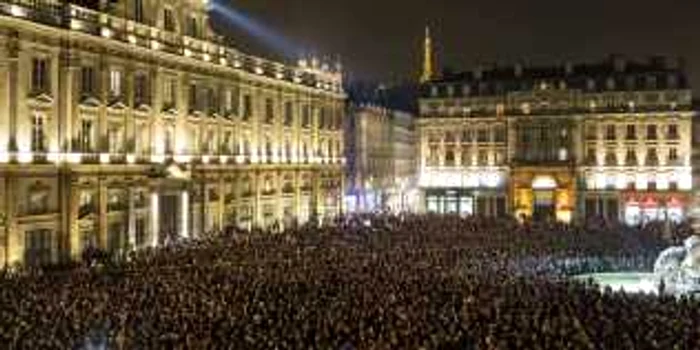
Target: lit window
{"type": "Point", "coordinates": [141, 96]}
{"type": "Point", "coordinates": [673, 155]}
{"type": "Point", "coordinates": [466, 90]}
{"type": "Point", "coordinates": [247, 107]}
{"type": "Point", "coordinates": [269, 111]}
{"type": "Point", "coordinates": [38, 133]}
{"type": "Point", "coordinates": [169, 90]}
{"type": "Point", "coordinates": [434, 91]}
{"type": "Point", "coordinates": [138, 10]}
{"type": "Point", "coordinates": [652, 157]}
{"type": "Point", "coordinates": [610, 133]}
{"type": "Point", "coordinates": [169, 139]}
{"type": "Point", "coordinates": [563, 154]}
{"type": "Point", "coordinates": [168, 20]}
{"type": "Point", "coordinates": [652, 132]}
{"type": "Point", "coordinates": [87, 81]}
{"type": "Point", "coordinates": [673, 132]}
{"type": "Point", "coordinates": [288, 113]}
{"type": "Point", "coordinates": [86, 136]}
{"type": "Point", "coordinates": [631, 157]}
{"type": "Point", "coordinates": [114, 138]}
{"type": "Point", "coordinates": [115, 83]}
{"type": "Point", "coordinates": [40, 76]}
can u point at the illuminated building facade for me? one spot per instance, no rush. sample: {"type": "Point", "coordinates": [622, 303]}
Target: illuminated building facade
{"type": "Point", "coordinates": [606, 140]}
{"type": "Point", "coordinates": [381, 157]}
{"type": "Point", "coordinates": [128, 126]}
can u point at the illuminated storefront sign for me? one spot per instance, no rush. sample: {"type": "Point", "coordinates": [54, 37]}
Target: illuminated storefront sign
{"type": "Point", "coordinates": [644, 208]}
{"type": "Point", "coordinates": [461, 179]}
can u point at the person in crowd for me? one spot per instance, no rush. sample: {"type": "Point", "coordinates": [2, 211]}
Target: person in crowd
{"type": "Point", "coordinates": [366, 282]}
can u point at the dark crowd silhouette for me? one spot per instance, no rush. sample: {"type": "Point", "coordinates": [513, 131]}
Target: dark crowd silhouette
{"type": "Point", "coordinates": [366, 282]}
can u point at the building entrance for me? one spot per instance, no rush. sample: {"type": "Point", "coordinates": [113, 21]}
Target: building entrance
{"type": "Point", "coordinates": [544, 208]}
{"type": "Point", "coordinates": [450, 202]}
{"type": "Point", "coordinates": [169, 216]}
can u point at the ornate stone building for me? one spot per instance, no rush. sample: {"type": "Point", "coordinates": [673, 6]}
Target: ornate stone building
{"type": "Point", "coordinates": [610, 139]}
{"type": "Point", "coordinates": [380, 148]}
{"type": "Point", "coordinates": [128, 124]}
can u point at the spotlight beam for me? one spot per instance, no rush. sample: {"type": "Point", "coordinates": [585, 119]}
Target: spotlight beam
{"type": "Point", "coordinates": [253, 27]}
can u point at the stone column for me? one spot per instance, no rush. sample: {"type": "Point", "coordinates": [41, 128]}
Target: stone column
{"type": "Point", "coordinates": [206, 216]}
{"type": "Point", "coordinates": [297, 195]}
{"type": "Point", "coordinates": [341, 203]}
{"type": "Point", "coordinates": [316, 210]}
{"type": "Point", "coordinates": [257, 201]}
{"type": "Point", "coordinates": [74, 238]}
{"type": "Point", "coordinates": [221, 203]}
{"type": "Point", "coordinates": [67, 118]}
{"type": "Point", "coordinates": [153, 218]}
{"type": "Point", "coordinates": [184, 214]}
{"type": "Point", "coordinates": [102, 213]}
{"type": "Point", "coordinates": [15, 239]}
{"type": "Point", "coordinates": [131, 228]}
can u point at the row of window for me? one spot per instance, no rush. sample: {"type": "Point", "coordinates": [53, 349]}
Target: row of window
{"type": "Point", "coordinates": [85, 141]}
{"type": "Point", "coordinates": [478, 134]}
{"type": "Point", "coordinates": [492, 107]}
{"type": "Point", "coordinates": [466, 157]}
{"type": "Point", "coordinates": [227, 102]}
{"type": "Point", "coordinates": [631, 132]}
{"type": "Point", "coordinates": [610, 159]}
{"type": "Point", "coordinates": [192, 28]}
{"type": "Point", "coordinates": [631, 157]}
{"type": "Point", "coordinates": [650, 82]}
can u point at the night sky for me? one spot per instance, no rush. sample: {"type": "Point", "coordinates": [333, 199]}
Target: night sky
{"type": "Point", "coordinates": [381, 39]}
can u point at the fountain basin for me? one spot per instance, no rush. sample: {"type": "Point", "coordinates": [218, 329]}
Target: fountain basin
{"type": "Point", "coordinates": [629, 282]}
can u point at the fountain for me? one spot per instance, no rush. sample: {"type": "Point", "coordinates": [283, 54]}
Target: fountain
{"type": "Point", "coordinates": [676, 272]}
{"type": "Point", "coordinates": [677, 269]}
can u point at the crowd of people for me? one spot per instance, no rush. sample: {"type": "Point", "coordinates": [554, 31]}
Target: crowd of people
{"type": "Point", "coordinates": [376, 282]}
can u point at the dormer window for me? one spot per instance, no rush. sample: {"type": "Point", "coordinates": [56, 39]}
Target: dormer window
{"type": "Point", "coordinates": [672, 81]}
{"type": "Point", "coordinates": [434, 91]}
{"type": "Point", "coordinates": [450, 91]}
{"type": "Point", "coordinates": [590, 84]}
{"type": "Point", "coordinates": [525, 108]}
{"type": "Point", "coordinates": [610, 84]}
{"type": "Point", "coordinates": [466, 90]}
{"type": "Point", "coordinates": [651, 82]}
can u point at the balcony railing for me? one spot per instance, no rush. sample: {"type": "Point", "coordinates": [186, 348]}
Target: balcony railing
{"type": "Point", "coordinates": [70, 16]}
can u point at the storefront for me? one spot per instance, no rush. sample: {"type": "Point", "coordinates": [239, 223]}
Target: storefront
{"type": "Point", "coordinates": [465, 202]}
{"type": "Point", "coordinates": [543, 195]}
{"type": "Point", "coordinates": [650, 207]}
